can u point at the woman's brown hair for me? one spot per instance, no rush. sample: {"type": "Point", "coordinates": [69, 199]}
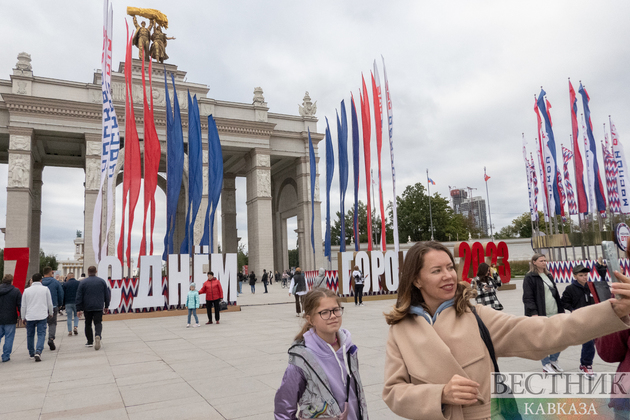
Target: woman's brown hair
{"type": "Point", "coordinates": [311, 303]}
{"type": "Point", "coordinates": [409, 295]}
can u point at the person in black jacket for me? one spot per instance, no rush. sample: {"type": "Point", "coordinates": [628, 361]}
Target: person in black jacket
{"type": "Point", "coordinates": [541, 298]}
{"type": "Point", "coordinates": [252, 281]}
{"type": "Point", "coordinates": [10, 301]}
{"type": "Point", "coordinates": [70, 288]}
{"type": "Point", "coordinates": [577, 295]}
{"type": "Point", "coordinates": [93, 297]}
{"type": "Point", "coordinates": [265, 279]}
{"type": "Point", "coordinates": [601, 268]}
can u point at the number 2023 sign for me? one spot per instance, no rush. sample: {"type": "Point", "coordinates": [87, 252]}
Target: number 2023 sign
{"type": "Point", "coordinates": [488, 252]}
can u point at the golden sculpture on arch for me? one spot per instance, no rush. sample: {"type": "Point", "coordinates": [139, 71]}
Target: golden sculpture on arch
{"type": "Point", "coordinates": [143, 37]}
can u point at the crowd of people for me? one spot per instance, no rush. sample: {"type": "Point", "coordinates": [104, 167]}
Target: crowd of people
{"type": "Point", "coordinates": [39, 305]}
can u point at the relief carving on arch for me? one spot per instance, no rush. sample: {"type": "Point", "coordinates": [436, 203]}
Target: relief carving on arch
{"type": "Point", "coordinates": [19, 171]}
{"type": "Point", "coordinates": [264, 183]}
{"type": "Point", "coordinates": [20, 143]}
{"type": "Point", "coordinates": [93, 148]}
{"type": "Point", "coordinates": [263, 160]}
{"type": "Point", "coordinates": [92, 174]}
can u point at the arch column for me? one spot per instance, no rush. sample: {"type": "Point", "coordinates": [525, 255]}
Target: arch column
{"type": "Point", "coordinates": [228, 214]}
{"type": "Point", "coordinates": [92, 180]}
{"type": "Point", "coordinates": [259, 216]}
{"type": "Point", "coordinates": [19, 197]}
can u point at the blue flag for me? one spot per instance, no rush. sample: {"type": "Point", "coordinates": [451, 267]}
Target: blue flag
{"type": "Point", "coordinates": [330, 171]}
{"type": "Point", "coordinates": [174, 165]}
{"type": "Point", "coordinates": [553, 179]}
{"type": "Point", "coordinates": [593, 166]}
{"type": "Point", "coordinates": [355, 167]}
{"type": "Point", "coordinates": [342, 141]}
{"type": "Point", "coordinates": [215, 181]}
{"type": "Point", "coordinates": [195, 173]}
{"type": "Point", "coordinates": [313, 170]}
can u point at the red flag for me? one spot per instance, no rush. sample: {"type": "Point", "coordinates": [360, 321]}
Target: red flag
{"type": "Point", "coordinates": [152, 154]}
{"type": "Point", "coordinates": [365, 121]}
{"type": "Point", "coordinates": [132, 174]}
{"type": "Point", "coordinates": [578, 163]}
{"type": "Point", "coordinates": [378, 125]}
{"type": "Point", "coordinates": [486, 177]}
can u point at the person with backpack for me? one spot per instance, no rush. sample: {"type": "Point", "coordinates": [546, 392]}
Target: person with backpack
{"type": "Point", "coordinates": [357, 275]}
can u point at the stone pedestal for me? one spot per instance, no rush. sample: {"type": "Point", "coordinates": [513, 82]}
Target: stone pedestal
{"type": "Point", "coordinates": [259, 219]}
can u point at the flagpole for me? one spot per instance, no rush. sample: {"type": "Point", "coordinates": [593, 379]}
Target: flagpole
{"type": "Point", "coordinates": [485, 177]}
{"type": "Point", "coordinates": [373, 204]}
{"type": "Point", "coordinates": [430, 213]}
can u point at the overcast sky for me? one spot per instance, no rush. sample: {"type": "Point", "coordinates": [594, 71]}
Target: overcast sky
{"type": "Point", "coordinates": [462, 75]}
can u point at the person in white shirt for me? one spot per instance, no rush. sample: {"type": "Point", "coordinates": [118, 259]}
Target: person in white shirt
{"type": "Point", "coordinates": [358, 277]}
{"type": "Point", "coordinates": [37, 306]}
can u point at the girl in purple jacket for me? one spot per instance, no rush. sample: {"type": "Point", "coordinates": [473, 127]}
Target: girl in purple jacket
{"type": "Point", "coordinates": [322, 379]}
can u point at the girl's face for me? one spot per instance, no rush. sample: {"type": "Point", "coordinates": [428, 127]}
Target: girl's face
{"type": "Point", "coordinates": [192, 287]}
{"type": "Point", "coordinates": [437, 279]}
{"type": "Point", "coordinates": [321, 325]}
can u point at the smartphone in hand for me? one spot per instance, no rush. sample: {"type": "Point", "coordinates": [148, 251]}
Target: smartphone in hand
{"type": "Point", "coordinates": [612, 261]}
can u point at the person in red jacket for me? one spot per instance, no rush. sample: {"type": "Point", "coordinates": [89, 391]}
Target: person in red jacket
{"type": "Point", "coordinates": [214, 293]}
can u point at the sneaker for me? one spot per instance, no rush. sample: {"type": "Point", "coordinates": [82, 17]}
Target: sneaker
{"type": "Point", "coordinates": [187, 325]}
{"type": "Point", "coordinates": [361, 304]}
{"type": "Point", "coordinates": [89, 345]}
{"type": "Point", "coordinates": [556, 366]}
{"type": "Point", "coordinates": [31, 355]}
{"type": "Point", "coordinates": [217, 322]}
{"type": "Point", "coordinates": [297, 315]}
{"type": "Point", "coordinates": [97, 342]}
{"type": "Point", "coordinates": [70, 333]}
{"type": "Point", "coordinates": [588, 371]}
{"type": "Point", "coordinates": [548, 368]}
{"type": "Point", "coordinates": [51, 344]}
{"type": "Point", "coordinates": [196, 325]}
{"type": "Point", "coordinates": [76, 331]}
{"type": "Point", "coordinates": [38, 357]}
{"type": "Point", "coordinates": [209, 322]}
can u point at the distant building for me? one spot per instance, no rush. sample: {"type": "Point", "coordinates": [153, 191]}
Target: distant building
{"type": "Point", "coordinates": [473, 207]}
{"type": "Point", "coordinates": [75, 265]}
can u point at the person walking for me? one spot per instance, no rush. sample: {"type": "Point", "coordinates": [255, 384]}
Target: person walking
{"type": "Point", "coordinates": [56, 293]}
{"type": "Point", "coordinates": [486, 287]}
{"type": "Point", "coordinates": [70, 301]}
{"type": "Point", "coordinates": [277, 277]}
{"type": "Point", "coordinates": [265, 279]}
{"type": "Point", "coordinates": [192, 303]}
{"type": "Point", "coordinates": [37, 307]}
{"type": "Point", "coordinates": [10, 301]}
{"type": "Point", "coordinates": [357, 275]}
{"type": "Point", "coordinates": [320, 280]}
{"type": "Point", "coordinates": [541, 298]}
{"type": "Point", "coordinates": [214, 293]}
{"type": "Point", "coordinates": [285, 279]}
{"type": "Point", "coordinates": [601, 268]}
{"type": "Point", "coordinates": [93, 297]}
{"type": "Point", "coordinates": [252, 281]}
{"type": "Point", "coordinates": [577, 295]}
{"type": "Point", "coordinates": [241, 279]}
{"type": "Point", "coordinates": [322, 377]}
{"type": "Point", "coordinates": [298, 288]}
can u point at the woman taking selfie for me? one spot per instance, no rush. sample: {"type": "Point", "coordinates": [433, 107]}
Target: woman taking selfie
{"type": "Point", "coordinates": [438, 366]}
{"type": "Point", "coordinates": [486, 287]}
{"type": "Point", "coordinates": [322, 378]}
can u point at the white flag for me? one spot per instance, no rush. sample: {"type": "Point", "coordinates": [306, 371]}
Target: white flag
{"type": "Point", "coordinates": [622, 177]}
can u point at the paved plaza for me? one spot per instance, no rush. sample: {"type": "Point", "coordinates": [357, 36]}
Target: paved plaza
{"type": "Point", "coordinates": [156, 368]}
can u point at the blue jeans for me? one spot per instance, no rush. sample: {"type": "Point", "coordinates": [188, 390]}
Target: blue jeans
{"type": "Point", "coordinates": [550, 358]}
{"type": "Point", "coordinates": [8, 331]}
{"type": "Point", "coordinates": [41, 335]}
{"type": "Point", "coordinates": [588, 353]}
{"type": "Point", "coordinates": [253, 286]}
{"type": "Point", "coordinates": [240, 287]}
{"type": "Point", "coordinates": [193, 311]}
{"type": "Point", "coordinates": [71, 308]}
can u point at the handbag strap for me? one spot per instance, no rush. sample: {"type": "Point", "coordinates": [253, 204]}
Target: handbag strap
{"type": "Point", "coordinates": [485, 336]}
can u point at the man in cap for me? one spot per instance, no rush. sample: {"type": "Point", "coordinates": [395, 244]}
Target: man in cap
{"type": "Point", "coordinates": [577, 295]}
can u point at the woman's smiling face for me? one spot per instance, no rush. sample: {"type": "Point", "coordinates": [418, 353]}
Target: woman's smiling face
{"type": "Point", "coordinates": [437, 279]}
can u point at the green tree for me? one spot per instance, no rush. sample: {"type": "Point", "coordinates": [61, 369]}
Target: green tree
{"type": "Point", "coordinates": [414, 221]}
{"type": "Point", "coordinates": [49, 260]}
{"type": "Point", "coordinates": [242, 257]}
{"type": "Point", "coordinates": [335, 229]}
{"type": "Point", "coordinates": [294, 258]}
{"type": "Point", "coordinates": [521, 226]}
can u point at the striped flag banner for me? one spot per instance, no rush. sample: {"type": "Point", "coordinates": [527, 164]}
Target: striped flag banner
{"type": "Point", "coordinates": [610, 173]}
{"type": "Point", "coordinates": [566, 156]}
{"type": "Point", "coordinates": [528, 176]}
{"type": "Point", "coordinates": [544, 189]}
{"type": "Point", "coordinates": [532, 172]}
{"type": "Point", "coordinates": [622, 175]}
{"type": "Point", "coordinates": [390, 124]}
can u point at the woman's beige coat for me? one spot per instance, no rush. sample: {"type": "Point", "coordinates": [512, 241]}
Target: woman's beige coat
{"type": "Point", "coordinates": [422, 358]}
